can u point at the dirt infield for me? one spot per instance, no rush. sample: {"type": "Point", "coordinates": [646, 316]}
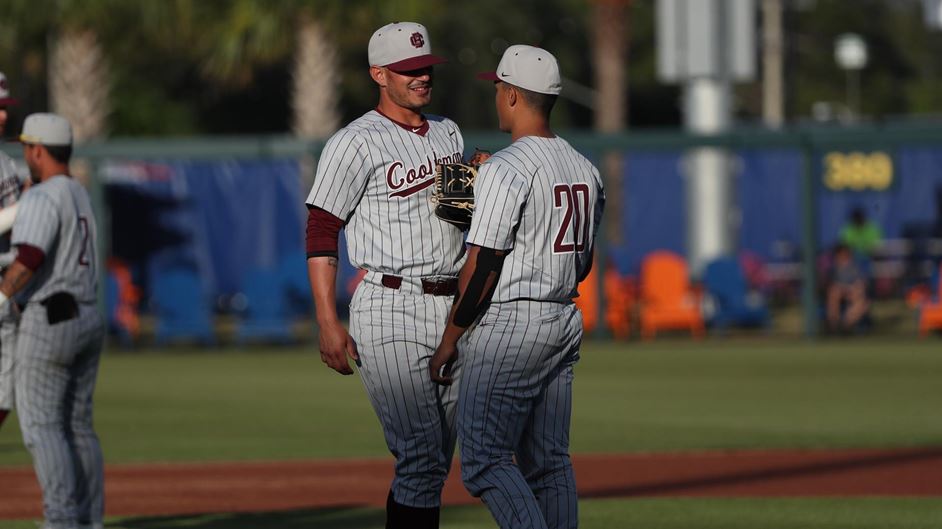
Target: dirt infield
{"type": "Point", "coordinates": [270, 486]}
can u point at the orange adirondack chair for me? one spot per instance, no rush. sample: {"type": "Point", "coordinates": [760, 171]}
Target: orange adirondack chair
{"type": "Point", "coordinates": [588, 301]}
{"type": "Point", "coordinates": [667, 299]}
{"type": "Point", "coordinates": [620, 298]}
{"type": "Point", "coordinates": [930, 313]}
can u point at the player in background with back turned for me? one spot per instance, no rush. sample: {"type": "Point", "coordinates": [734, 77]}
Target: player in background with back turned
{"type": "Point", "coordinates": [58, 343]}
{"type": "Point", "coordinates": [538, 205]}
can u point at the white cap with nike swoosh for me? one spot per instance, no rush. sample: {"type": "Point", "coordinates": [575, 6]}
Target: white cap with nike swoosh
{"type": "Point", "coordinates": [528, 67]}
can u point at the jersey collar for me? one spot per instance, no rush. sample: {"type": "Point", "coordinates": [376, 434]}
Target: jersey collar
{"type": "Point", "coordinates": [420, 130]}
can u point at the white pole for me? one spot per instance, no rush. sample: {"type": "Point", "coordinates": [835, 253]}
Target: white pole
{"type": "Point", "coordinates": [709, 186]}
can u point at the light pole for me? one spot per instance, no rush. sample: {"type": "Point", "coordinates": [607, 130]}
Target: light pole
{"type": "Point", "coordinates": [850, 52]}
{"type": "Point", "coordinates": [706, 45]}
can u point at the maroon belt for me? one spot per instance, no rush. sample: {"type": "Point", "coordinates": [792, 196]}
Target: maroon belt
{"type": "Point", "coordinates": [437, 287]}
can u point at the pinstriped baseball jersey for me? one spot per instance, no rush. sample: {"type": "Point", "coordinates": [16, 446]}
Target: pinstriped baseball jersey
{"type": "Point", "coordinates": [56, 216]}
{"type": "Point", "coordinates": [10, 188]}
{"type": "Point", "coordinates": [543, 200]}
{"type": "Point", "coordinates": [378, 176]}
{"type": "Point", "coordinates": [11, 185]}
{"type": "Point", "coordinates": [58, 349]}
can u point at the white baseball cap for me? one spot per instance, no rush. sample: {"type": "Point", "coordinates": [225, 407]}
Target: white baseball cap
{"type": "Point", "coordinates": [5, 98]}
{"type": "Point", "coordinates": [402, 47]}
{"type": "Point", "coordinates": [528, 67]}
{"type": "Point", "coordinates": [46, 129]}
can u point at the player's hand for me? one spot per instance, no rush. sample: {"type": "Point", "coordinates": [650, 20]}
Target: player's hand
{"type": "Point", "coordinates": [441, 364]}
{"type": "Point", "coordinates": [478, 157]}
{"type": "Point", "coordinates": [336, 345]}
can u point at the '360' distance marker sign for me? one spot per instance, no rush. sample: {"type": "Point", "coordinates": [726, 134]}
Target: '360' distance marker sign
{"type": "Point", "coordinates": [858, 171]}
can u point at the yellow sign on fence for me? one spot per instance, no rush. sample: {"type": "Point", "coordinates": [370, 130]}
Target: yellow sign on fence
{"type": "Point", "coordinates": [858, 171]}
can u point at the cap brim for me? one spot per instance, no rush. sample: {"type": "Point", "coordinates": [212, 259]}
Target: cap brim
{"type": "Point", "coordinates": [33, 140]}
{"type": "Point", "coordinates": [7, 101]}
{"type": "Point", "coordinates": [416, 63]}
{"type": "Point", "coordinates": [488, 76]}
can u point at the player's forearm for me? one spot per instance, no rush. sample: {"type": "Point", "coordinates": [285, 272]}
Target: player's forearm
{"type": "Point", "coordinates": [15, 278]}
{"type": "Point", "coordinates": [454, 332]}
{"type": "Point", "coordinates": [322, 274]}
{"type": "Point", "coordinates": [476, 283]}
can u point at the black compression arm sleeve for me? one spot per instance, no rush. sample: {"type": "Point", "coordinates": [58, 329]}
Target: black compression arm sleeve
{"type": "Point", "coordinates": [479, 290]}
{"type": "Point", "coordinates": [588, 267]}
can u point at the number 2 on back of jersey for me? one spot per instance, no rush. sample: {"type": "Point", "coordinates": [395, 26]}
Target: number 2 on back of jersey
{"type": "Point", "coordinates": [83, 256]}
{"type": "Point", "coordinates": [573, 232]}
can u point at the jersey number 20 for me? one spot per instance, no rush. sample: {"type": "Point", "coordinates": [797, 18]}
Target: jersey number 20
{"type": "Point", "coordinates": [574, 229]}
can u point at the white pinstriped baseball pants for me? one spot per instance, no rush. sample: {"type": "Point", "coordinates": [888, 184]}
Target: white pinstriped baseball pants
{"type": "Point", "coordinates": [516, 400]}
{"type": "Point", "coordinates": [55, 373]}
{"type": "Point", "coordinates": [8, 326]}
{"type": "Point", "coordinates": [396, 332]}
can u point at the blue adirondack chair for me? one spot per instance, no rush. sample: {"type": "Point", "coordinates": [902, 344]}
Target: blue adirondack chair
{"type": "Point", "coordinates": [267, 316]}
{"type": "Point", "coordinates": [733, 303]}
{"type": "Point", "coordinates": [181, 306]}
{"type": "Point", "coordinates": [292, 271]}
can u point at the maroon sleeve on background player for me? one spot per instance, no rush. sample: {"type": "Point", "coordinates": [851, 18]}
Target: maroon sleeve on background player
{"type": "Point", "coordinates": [30, 256]}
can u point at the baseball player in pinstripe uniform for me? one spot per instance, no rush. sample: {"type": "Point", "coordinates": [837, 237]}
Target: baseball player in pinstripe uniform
{"type": "Point", "coordinates": [538, 208]}
{"type": "Point", "coordinates": [374, 180]}
{"type": "Point", "coordinates": [58, 345]}
{"type": "Point", "coordinates": [11, 185]}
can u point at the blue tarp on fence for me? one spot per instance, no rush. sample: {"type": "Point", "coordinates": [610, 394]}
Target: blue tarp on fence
{"type": "Point", "coordinates": [768, 196]}
{"type": "Point", "coordinates": [220, 226]}
{"type": "Point", "coordinates": [203, 237]}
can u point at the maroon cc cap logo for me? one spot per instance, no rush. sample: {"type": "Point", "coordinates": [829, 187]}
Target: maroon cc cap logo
{"type": "Point", "coordinates": [417, 40]}
{"type": "Point", "coordinates": [3, 82]}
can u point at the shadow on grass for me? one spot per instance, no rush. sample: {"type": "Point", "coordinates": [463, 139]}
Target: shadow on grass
{"type": "Point", "coordinates": [762, 477]}
{"type": "Point", "coordinates": [326, 518]}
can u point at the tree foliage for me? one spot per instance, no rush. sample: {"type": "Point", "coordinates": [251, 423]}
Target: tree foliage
{"type": "Point", "coordinates": [223, 66]}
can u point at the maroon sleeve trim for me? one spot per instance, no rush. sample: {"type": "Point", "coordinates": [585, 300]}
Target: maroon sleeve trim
{"type": "Point", "coordinates": [30, 256]}
{"type": "Point", "coordinates": [323, 230]}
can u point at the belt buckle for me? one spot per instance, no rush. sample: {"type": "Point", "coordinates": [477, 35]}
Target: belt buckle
{"type": "Point", "coordinates": [438, 286]}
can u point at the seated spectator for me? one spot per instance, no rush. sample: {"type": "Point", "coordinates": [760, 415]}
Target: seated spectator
{"type": "Point", "coordinates": [847, 301]}
{"type": "Point", "coordinates": [861, 235]}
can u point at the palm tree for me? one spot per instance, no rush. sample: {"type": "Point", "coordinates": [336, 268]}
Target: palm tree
{"type": "Point", "coordinates": [610, 58]}
{"type": "Point", "coordinates": [76, 68]}
{"type": "Point", "coordinates": [249, 33]}
{"type": "Point", "coordinates": [315, 89]}
{"type": "Point", "coordinates": [78, 82]}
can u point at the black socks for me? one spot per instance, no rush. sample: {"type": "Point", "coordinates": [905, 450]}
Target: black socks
{"type": "Point", "coordinates": [400, 516]}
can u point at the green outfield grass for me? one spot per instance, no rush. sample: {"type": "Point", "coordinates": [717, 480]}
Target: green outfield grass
{"type": "Point", "coordinates": [816, 513]}
{"type": "Point", "coordinates": [670, 395]}
{"type": "Point", "coordinates": [193, 405]}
